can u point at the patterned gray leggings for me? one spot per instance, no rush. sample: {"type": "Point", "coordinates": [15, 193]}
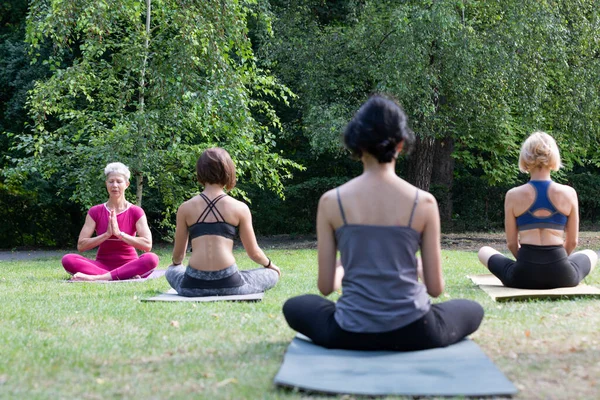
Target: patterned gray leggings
{"type": "Point", "coordinates": [190, 282]}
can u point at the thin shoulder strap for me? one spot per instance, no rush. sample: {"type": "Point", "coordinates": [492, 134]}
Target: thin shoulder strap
{"type": "Point", "coordinates": [340, 204]}
{"type": "Point", "coordinates": [412, 213]}
{"type": "Point", "coordinates": [211, 207]}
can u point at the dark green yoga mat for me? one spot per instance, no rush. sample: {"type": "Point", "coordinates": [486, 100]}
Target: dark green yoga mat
{"type": "Point", "coordinates": [458, 370]}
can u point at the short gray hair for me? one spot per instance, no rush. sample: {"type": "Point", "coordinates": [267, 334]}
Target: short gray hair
{"type": "Point", "coordinates": [117, 168]}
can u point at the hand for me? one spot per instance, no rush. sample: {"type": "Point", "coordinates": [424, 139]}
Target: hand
{"type": "Point", "coordinates": [109, 230]}
{"type": "Point", "coordinates": [274, 268]}
{"type": "Point", "coordinates": [114, 225]}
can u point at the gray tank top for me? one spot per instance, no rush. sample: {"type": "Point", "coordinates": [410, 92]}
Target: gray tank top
{"type": "Point", "coordinates": [380, 289]}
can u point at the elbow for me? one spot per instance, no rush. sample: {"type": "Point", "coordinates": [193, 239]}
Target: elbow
{"type": "Point", "coordinates": [325, 290]}
{"type": "Point", "coordinates": [436, 290]}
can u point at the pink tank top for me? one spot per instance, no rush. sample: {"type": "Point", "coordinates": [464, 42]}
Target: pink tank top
{"type": "Point", "coordinates": [114, 252]}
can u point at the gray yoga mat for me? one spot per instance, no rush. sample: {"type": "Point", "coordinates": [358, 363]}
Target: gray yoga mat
{"type": "Point", "coordinates": [157, 273]}
{"type": "Point", "coordinates": [458, 370]}
{"type": "Point", "coordinates": [172, 295]}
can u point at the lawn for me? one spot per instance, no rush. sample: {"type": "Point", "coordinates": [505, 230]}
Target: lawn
{"type": "Point", "coordinates": [97, 341]}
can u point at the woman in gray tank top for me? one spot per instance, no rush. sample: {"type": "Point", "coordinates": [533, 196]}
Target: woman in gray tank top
{"type": "Point", "coordinates": [378, 221]}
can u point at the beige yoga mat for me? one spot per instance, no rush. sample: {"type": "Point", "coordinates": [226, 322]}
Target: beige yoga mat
{"type": "Point", "coordinates": [494, 288]}
{"type": "Point", "coordinates": [172, 295]}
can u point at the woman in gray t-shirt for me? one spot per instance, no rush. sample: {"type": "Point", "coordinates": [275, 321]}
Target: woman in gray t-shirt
{"type": "Point", "coordinates": [378, 221]}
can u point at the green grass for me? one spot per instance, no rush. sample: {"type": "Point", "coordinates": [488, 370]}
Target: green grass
{"type": "Point", "coordinates": [97, 341]}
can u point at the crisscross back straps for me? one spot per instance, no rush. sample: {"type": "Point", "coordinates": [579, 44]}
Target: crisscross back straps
{"type": "Point", "coordinates": [412, 213]}
{"type": "Point", "coordinates": [340, 204]}
{"type": "Point", "coordinates": [211, 208]}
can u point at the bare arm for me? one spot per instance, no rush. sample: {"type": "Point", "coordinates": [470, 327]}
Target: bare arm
{"type": "Point", "coordinates": [181, 237]}
{"type": "Point", "coordinates": [431, 251]}
{"type": "Point", "coordinates": [510, 224]}
{"type": "Point", "coordinates": [327, 248]}
{"type": "Point", "coordinates": [572, 227]}
{"type": "Point", "coordinates": [86, 241]}
{"type": "Point", "coordinates": [249, 240]}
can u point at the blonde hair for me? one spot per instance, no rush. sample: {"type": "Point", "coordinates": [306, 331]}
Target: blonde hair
{"type": "Point", "coordinates": [117, 168]}
{"type": "Point", "coordinates": [539, 150]}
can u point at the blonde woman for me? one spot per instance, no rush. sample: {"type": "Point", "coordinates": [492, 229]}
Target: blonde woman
{"type": "Point", "coordinates": [542, 226]}
{"type": "Point", "coordinates": [121, 228]}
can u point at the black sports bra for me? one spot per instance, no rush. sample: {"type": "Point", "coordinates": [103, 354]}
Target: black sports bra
{"type": "Point", "coordinates": [219, 228]}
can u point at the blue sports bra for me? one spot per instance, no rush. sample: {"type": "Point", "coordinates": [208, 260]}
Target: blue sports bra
{"type": "Point", "coordinates": [219, 228]}
{"type": "Point", "coordinates": [527, 220]}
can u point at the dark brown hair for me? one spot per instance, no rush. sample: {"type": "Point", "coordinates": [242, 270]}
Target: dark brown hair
{"type": "Point", "coordinates": [377, 128]}
{"type": "Point", "coordinates": [216, 166]}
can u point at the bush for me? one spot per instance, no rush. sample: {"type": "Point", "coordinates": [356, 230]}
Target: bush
{"type": "Point", "coordinates": [297, 213]}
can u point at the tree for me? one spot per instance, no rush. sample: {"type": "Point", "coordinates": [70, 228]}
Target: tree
{"type": "Point", "coordinates": [474, 77]}
{"type": "Point", "coordinates": [151, 84]}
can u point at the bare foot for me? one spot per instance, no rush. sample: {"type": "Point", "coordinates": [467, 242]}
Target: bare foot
{"type": "Point", "coordinates": [80, 276]}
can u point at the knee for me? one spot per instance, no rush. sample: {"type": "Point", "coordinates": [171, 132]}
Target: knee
{"type": "Point", "coordinates": [67, 262]}
{"type": "Point", "coordinates": [291, 308]}
{"type": "Point", "coordinates": [484, 254]}
{"type": "Point", "coordinates": [151, 259]}
{"type": "Point", "coordinates": [475, 313]}
{"type": "Point", "coordinates": [174, 275]}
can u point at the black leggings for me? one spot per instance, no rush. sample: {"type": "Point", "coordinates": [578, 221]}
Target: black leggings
{"type": "Point", "coordinates": [540, 267]}
{"type": "Point", "coordinates": [445, 323]}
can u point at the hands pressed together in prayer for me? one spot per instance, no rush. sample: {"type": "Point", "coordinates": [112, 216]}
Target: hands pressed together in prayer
{"type": "Point", "coordinates": [113, 226]}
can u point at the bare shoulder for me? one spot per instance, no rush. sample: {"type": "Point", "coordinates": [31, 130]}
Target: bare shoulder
{"type": "Point", "coordinates": [566, 189]}
{"type": "Point", "coordinates": [427, 198]}
{"type": "Point", "coordinates": [187, 205]}
{"type": "Point", "coordinates": [239, 207]}
{"type": "Point", "coordinates": [328, 196]}
{"type": "Point", "coordinates": [516, 191]}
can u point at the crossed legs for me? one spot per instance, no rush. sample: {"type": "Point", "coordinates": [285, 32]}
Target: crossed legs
{"type": "Point", "coordinates": [84, 269]}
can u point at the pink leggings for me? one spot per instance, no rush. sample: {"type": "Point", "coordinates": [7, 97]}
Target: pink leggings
{"type": "Point", "coordinates": [143, 266]}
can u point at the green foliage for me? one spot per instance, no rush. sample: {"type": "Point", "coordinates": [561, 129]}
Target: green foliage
{"type": "Point", "coordinates": [298, 213]}
{"type": "Point", "coordinates": [586, 185]}
{"type": "Point", "coordinates": [485, 74]}
{"type": "Point", "coordinates": [152, 96]}
{"type": "Point", "coordinates": [477, 206]}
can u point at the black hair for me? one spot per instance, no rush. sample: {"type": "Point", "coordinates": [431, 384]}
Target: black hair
{"type": "Point", "coordinates": [377, 128]}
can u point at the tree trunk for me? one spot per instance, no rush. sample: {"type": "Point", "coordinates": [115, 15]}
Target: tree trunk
{"type": "Point", "coordinates": [443, 175]}
{"type": "Point", "coordinates": [139, 177]}
{"type": "Point", "coordinates": [420, 163]}
{"type": "Point", "coordinates": [139, 188]}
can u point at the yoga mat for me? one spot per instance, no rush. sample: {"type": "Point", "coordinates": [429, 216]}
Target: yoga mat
{"type": "Point", "coordinates": [157, 273]}
{"type": "Point", "coordinates": [172, 295]}
{"type": "Point", "coordinates": [494, 288]}
{"type": "Point", "coordinates": [458, 370]}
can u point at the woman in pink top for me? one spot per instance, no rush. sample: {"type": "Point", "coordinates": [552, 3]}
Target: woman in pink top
{"type": "Point", "coordinates": [121, 228]}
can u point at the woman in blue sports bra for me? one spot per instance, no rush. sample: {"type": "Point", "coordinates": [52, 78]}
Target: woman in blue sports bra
{"type": "Point", "coordinates": [210, 221]}
{"type": "Point", "coordinates": [378, 222]}
{"type": "Point", "coordinates": [542, 226]}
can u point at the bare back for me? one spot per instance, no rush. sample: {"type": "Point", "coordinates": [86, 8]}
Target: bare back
{"type": "Point", "coordinates": [213, 252]}
{"type": "Point", "coordinates": [520, 199]}
{"type": "Point", "coordinates": [381, 200]}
